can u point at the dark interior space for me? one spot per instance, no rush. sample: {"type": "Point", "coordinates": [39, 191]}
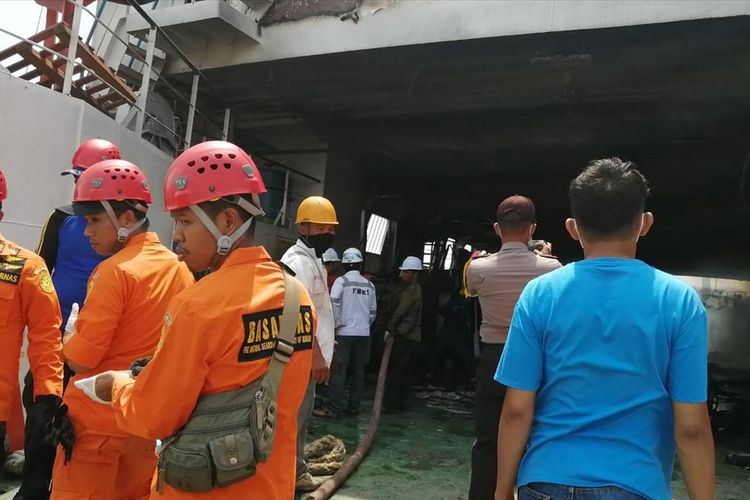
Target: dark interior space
{"type": "Point", "coordinates": [444, 131]}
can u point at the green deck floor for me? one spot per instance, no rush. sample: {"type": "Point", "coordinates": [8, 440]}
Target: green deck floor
{"type": "Point", "coordinates": [424, 453]}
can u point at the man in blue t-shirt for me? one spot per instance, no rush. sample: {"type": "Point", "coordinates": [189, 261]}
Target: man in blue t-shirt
{"type": "Point", "coordinates": [605, 363]}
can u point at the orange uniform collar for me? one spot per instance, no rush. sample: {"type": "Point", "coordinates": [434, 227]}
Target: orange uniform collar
{"type": "Point", "coordinates": [148, 237]}
{"type": "Point", "coordinates": [244, 255]}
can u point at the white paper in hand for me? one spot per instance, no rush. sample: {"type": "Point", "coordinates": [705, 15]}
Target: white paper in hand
{"type": "Point", "coordinates": [87, 385]}
{"type": "Point", "coordinates": [70, 326]}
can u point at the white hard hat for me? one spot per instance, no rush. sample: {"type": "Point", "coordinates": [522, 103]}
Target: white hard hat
{"type": "Point", "coordinates": [411, 264]}
{"type": "Point", "coordinates": [330, 255]}
{"type": "Point", "coordinates": [351, 256]}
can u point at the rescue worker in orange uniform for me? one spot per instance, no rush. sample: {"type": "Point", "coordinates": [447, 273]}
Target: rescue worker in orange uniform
{"type": "Point", "coordinates": [207, 345]}
{"type": "Point", "coordinates": [70, 260]}
{"type": "Point", "coordinates": [28, 299]}
{"type": "Point", "coordinates": [127, 296]}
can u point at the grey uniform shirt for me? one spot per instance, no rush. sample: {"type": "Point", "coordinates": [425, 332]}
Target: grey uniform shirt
{"type": "Point", "coordinates": [498, 280]}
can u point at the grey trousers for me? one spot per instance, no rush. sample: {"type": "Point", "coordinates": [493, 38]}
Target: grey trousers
{"type": "Point", "coordinates": [303, 419]}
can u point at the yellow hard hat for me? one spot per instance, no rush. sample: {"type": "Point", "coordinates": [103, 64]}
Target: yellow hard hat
{"type": "Point", "coordinates": [317, 210]}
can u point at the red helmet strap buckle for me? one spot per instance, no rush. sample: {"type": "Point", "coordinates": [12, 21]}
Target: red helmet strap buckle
{"type": "Point", "coordinates": [123, 233]}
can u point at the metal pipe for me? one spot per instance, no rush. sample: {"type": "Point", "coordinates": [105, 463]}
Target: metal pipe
{"type": "Point", "coordinates": [191, 111]}
{"type": "Point", "coordinates": [225, 129]}
{"type": "Point", "coordinates": [99, 11]}
{"type": "Point", "coordinates": [329, 486]}
{"type": "Point", "coordinates": [145, 82]}
{"type": "Point", "coordinates": [72, 47]}
{"type": "Point", "coordinates": [281, 216]}
{"type": "Point", "coordinates": [294, 170]}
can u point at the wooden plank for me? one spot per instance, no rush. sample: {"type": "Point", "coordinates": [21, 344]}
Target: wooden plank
{"type": "Point", "coordinates": [39, 37]}
{"type": "Point", "coordinates": [114, 104]}
{"type": "Point", "coordinates": [31, 74]}
{"type": "Point", "coordinates": [93, 89]}
{"type": "Point", "coordinates": [43, 65]}
{"type": "Point", "coordinates": [19, 65]}
{"type": "Point", "coordinates": [90, 77]}
{"type": "Point", "coordinates": [105, 73]}
{"type": "Point", "coordinates": [110, 96]}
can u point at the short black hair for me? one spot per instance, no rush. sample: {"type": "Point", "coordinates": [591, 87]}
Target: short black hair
{"type": "Point", "coordinates": [118, 207]}
{"type": "Point", "coordinates": [607, 197]}
{"type": "Point", "coordinates": [354, 266]}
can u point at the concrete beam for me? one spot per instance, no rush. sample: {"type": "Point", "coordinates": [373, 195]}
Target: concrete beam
{"type": "Point", "coordinates": [216, 21]}
{"type": "Point", "coordinates": [433, 21]}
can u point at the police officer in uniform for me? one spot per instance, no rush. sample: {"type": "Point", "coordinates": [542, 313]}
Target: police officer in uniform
{"type": "Point", "coordinates": [498, 279]}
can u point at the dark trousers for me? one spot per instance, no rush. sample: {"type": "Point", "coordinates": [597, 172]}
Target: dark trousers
{"type": "Point", "coordinates": [400, 373]}
{"type": "Point", "coordinates": [450, 344]}
{"type": "Point", "coordinates": [39, 455]}
{"type": "Point", "coordinates": [353, 354]}
{"type": "Point", "coordinates": [489, 404]}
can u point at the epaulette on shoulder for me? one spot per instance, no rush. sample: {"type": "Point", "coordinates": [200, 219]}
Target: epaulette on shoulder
{"type": "Point", "coordinates": [285, 268]}
{"type": "Point", "coordinates": [553, 257]}
{"type": "Point", "coordinates": [480, 255]}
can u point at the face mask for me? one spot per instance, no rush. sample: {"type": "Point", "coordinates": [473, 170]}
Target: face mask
{"type": "Point", "coordinates": [319, 242]}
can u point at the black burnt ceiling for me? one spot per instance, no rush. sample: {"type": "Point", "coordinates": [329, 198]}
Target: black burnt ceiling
{"type": "Point", "coordinates": [449, 129]}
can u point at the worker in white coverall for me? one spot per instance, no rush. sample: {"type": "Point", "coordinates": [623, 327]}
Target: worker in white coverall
{"type": "Point", "coordinates": [316, 220]}
{"type": "Point", "coordinates": [354, 309]}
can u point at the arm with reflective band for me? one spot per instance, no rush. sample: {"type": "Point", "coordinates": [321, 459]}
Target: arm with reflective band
{"type": "Point", "coordinates": [97, 322]}
{"type": "Point", "coordinates": [162, 398]}
{"type": "Point", "coordinates": [337, 292]}
{"type": "Point", "coordinates": [373, 304]}
{"type": "Point", "coordinates": [50, 239]}
{"type": "Point", "coordinates": [41, 313]}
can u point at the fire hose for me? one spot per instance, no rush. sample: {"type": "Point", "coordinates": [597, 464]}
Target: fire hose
{"type": "Point", "coordinates": [329, 486]}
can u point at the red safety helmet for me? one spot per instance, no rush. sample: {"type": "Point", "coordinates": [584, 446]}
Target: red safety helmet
{"type": "Point", "coordinates": [90, 152]}
{"type": "Point", "coordinates": [111, 180]}
{"type": "Point", "coordinates": [3, 186]}
{"type": "Point", "coordinates": [210, 170]}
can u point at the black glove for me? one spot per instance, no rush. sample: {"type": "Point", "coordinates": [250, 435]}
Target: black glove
{"type": "Point", "coordinates": [3, 449]}
{"type": "Point", "coordinates": [138, 365]}
{"type": "Point", "coordinates": [39, 419]}
{"type": "Point", "coordinates": [61, 431]}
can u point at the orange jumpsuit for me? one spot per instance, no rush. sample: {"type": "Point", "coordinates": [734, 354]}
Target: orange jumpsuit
{"type": "Point", "coordinates": [126, 300]}
{"type": "Point", "coordinates": [216, 339]}
{"type": "Point", "coordinates": [27, 299]}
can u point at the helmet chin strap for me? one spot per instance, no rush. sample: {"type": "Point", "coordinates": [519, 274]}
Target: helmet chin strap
{"type": "Point", "coordinates": [123, 233]}
{"type": "Point", "coordinates": [225, 242]}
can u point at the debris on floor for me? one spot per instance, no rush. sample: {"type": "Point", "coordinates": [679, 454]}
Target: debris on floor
{"type": "Point", "coordinates": [14, 463]}
{"type": "Point", "coordinates": [325, 456]}
{"type": "Point", "coordinates": [738, 458]}
{"type": "Point", "coordinates": [454, 402]}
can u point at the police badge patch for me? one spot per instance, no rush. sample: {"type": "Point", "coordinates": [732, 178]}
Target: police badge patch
{"type": "Point", "coordinates": [45, 282]}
